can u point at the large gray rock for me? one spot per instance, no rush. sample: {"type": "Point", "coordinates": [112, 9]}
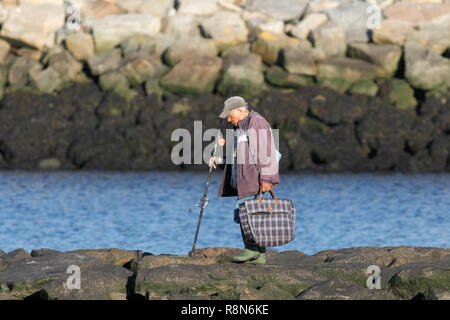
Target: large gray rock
{"type": "Point", "coordinates": [138, 70]}
{"type": "Point", "coordinates": [65, 64]}
{"type": "Point", "coordinates": [80, 45]}
{"type": "Point", "coordinates": [181, 25]}
{"type": "Point", "coordinates": [419, 13]}
{"type": "Point", "coordinates": [159, 8]}
{"type": "Point", "coordinates": [297, 61]}
{"type": "Point", "coordinates": [46, 80]}
{"type": "Point", "coordinates": [331, 39]}
{"type": "Point", "coordinates": [424, 68]}
{"type": "Point", "coordinates": [258, 23]}
{"type": "Point", "coordinates": [47, 277]}
{"type": "Point", "coordinates": [193, 75]}
{"type": "Point", "coordinates": [386, 57]}
{"type": "Point", "coordinates": [105, 61]}
{"type": "Point", "coordinates": [284, 10]}
{"type": "Point", "coordinates": [34, 25]}
{"type": "Point", "coordinates": [138, 43]}
{"type": "Point", "coordinates": [435, 36]}
{"type": "Point", "coordinates": [392, 31]}
{"type": "Point", "coordinates": [352, 17]}
{"type": "Point", "coordinates": [307, 24]}
{"type": "Point", "coordinates": [111, 30]}
{"type": "Point", "coordinates": [242, 75]}
{"type": "Point", "coordinates": [349, 69]}
{"type": "Point", "coordinates": [225, 28]}
{"type": "Point", "coordinates": [20, 70]}
{"type": "Point", "coordinates": [189, 45]}
{"type": "Point", "coordinates": [268, 45]}
{"type": "Point", "coordinates": [197, 7]}
{"type": "Point", "coordinates": [278, 77]}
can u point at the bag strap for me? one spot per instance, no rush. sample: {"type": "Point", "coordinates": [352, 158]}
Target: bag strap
{"type": "Point", "coordinates": [273, 196]}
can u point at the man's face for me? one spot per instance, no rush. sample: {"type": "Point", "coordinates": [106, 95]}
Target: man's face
{"type": "Point", "coordinates": [235, 116]}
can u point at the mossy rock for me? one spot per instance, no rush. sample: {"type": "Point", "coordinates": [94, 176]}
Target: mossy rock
{"type": "Point", "coordinates": [366, 87]}
{"type": "Point", "coordinates": [113, 79]}
{"type": "Point", "coordinates": [401, 95]}
{"type": "Point", "coordinates": [409, 283]}
{"type": "Point", "coordinates": [279, 77]}
{"type": "Point", "coordinates": [238, 80]}
{"type": "Point", "coordinates": [338, 84]}
{"type": "Point", "coordinates": [313, 125]}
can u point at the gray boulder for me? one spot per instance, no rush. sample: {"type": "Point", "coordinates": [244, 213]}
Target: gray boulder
{"type": "Point", "coordinates": [424, 68]}
{"type": "Point", "coordinates": [188, 46]}
{"type": "Point", "coordinates": [34, 24]}
{"type": "Point", "coordinates": [352, 17]}
{"type": "Point", "coordinates": [193, 75]}
{"type": "Point", "coordinates": [284, 10]}
{"type": "Point", "coordinates": [225, 28]}
{"type": "Point", "coordinates": [111, 30]}
{"type": "Point", "coordinates": [298, 61]}
{"type": "Point", "coordinates": [241, 75]}
{"type": "Point", "coordinates": [105, 61]}
{"type": "Point", "coordinates": [331, 39]}
{"type": "Point", "coordinates": [278, 77]}
{"type": "Point", "coordinates": [20, 70]}
{"type": "Point", "coordinates": [348, 69]}
{"type": "Point", "coordinates": [66, 65]}
{"type": "Point", "coordinates": [386, 57]}
{"type": "Point", "coordinates": [80, 45]}
{"type": "Point", "coordinates": [46, 80]}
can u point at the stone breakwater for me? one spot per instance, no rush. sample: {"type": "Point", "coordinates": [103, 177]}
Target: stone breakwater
{"type": "Point", "coordinates": [352, 85]}
{"type": "Point", "coordinates": [104, 274]}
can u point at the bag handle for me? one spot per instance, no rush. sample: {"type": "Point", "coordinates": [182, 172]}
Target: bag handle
{"type": "Point", "coordinates": [273, 196]}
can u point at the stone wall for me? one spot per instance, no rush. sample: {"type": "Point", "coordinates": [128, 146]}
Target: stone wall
{"type": "Point", "coordinates": [347, 92]}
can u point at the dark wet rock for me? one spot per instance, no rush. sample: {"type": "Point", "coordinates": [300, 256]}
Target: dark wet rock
{"type": "Point", "coordinates": [114, 256]}
{"type": "Point", "coordinates": [337, 288]}
{"type": "Point", "coordinates": [43, 252]}
{"type": "Point", "coordinates": [99, 148]}
{"type": "Point", "coordinates": [46, 277]}
{"type": "Point", "coordinates": [15, 256]}
{"type": "Point", "coordinates": [222, 281]}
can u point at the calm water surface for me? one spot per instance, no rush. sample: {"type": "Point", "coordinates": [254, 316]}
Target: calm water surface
{"type": "Point", "coordinates": [149, 211]}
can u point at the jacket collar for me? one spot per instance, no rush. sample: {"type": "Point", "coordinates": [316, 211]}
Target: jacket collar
{"type": "Point", "coordinates": [243, 124]}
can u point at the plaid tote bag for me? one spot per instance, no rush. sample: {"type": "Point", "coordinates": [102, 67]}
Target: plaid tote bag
{"type": "Point", "coordinates": [268, 222]}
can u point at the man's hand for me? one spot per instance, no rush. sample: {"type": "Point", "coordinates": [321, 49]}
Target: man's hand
{"type": "Point", "coordinates": [265, 186]}
{"type": "Point", "coordinates": [221, 142]}
{"type": "Point", "coordinates": [212, 162]}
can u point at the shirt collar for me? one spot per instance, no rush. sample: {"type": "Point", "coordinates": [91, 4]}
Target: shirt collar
{"type": "Point", "coordinates": [244, 122]}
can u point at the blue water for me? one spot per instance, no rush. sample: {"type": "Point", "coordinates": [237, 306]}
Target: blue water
{"type": "Point", "coordinates": [149, 211]}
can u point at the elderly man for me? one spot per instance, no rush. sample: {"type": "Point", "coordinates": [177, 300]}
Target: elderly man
{"type": "Point", "coordinates": [253, 169]}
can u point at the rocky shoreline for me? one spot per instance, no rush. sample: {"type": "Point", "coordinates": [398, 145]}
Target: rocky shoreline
{"type": "Point", "coordinates": [105, 274]}
{"type": "Point", "coordinates": [102, 84]}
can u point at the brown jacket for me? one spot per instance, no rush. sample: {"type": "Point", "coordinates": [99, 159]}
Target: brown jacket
{"type": "Point", "coordinates": [260, 164]}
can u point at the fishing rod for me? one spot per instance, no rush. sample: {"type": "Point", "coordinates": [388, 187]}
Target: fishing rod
{"type": "Point", "coordinates": [203, 202]}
